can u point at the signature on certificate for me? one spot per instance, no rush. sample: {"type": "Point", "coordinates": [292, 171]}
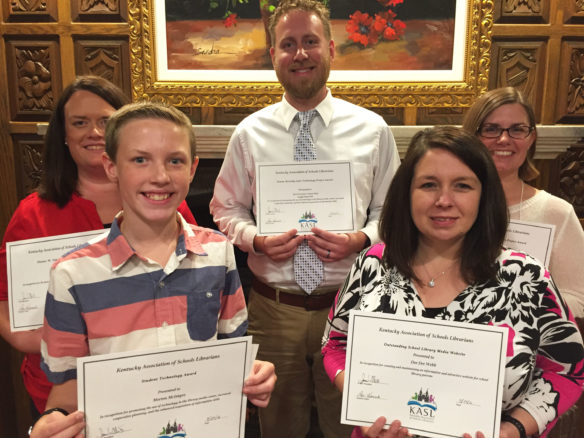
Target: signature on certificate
{"type": "Point", "coordinates": [367, 379]}
{"type": "Point", "coordinates": [272, 210]}
{"type": "Point", "coordinates": [27, 296]}
{"type": "Point", "coordinates": [212, 418]}
{"type": "Point", "coordinates": [465, 402]}
{"type": "Point", "coordinates": [362, 395]}
{"type": "Point", "coordinates": [111, 431]}
{"type": "Point", "coordinates": [27, 308]}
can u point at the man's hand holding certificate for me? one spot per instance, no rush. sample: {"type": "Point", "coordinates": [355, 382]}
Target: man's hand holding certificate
{"type": "Point", "coordinates": [300, 195]}
{"type": "Point", "coordinates": [439, 378]}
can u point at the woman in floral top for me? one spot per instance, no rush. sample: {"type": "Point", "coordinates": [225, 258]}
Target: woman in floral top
{"type": "Point", "coordinates": [445, 260]}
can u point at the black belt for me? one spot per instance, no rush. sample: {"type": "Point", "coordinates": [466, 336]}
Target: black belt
{"type": "Point", "coordinates": [306, 301]}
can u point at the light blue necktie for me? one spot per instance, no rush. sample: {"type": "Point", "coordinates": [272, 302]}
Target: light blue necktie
{"type": "Point", "coordinates": [308, 269]}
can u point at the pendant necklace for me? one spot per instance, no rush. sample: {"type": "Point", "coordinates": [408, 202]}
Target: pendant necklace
{"type": "Point", "coordinates": [432, 281]}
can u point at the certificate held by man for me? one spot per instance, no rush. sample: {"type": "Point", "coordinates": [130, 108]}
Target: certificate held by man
{"type": "Point", "coordinates": [187, 391]}
{"type": "Point", "coordinates": [301, 195]}
{"type": "Point", "coordinates": [439, 378]}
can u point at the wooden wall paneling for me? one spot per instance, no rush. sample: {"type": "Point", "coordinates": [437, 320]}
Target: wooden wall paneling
{"type": "Point", "coordinates": [34, 78]}
{"type": "Point", "coordinates": [524, 11]}
{"type": "Point", "coordinates": [574, 12]}
{"type": "Point", "coordinates": [440, 116]}
{"type": "Point", "coordinates": [571, 177]}
{"type": "Point", "coordinates": [108, 58]}
{"type": "Point", "coordinates": [232, 116]}
{"type": "Point", "coordinates": [570, 103]}
{"type": "Point", "coordinates": [99, 10]}
{"type": "Point", "coordinates": [520, 64]}
{"type": "Point", "coordinates": [30, 10]}
{"type": "Point", "coordinates": [28, 150]}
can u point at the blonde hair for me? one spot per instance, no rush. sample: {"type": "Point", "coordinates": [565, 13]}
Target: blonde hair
{"type": "Point", "coordinates": [313, 6]}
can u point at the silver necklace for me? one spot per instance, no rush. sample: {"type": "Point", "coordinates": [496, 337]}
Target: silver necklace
{"type": "Point", "coordinates": [432, 281]}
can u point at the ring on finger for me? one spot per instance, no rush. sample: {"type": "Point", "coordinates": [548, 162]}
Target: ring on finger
{"type": "Point", "coordinates": [328, 254]}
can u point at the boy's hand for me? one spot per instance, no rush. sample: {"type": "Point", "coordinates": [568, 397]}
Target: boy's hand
{"type": "Point", "coordinates": [280, 247]}
{"type": "Point", "coordinates": [260, 383]}
{"type": "Point", "coordinates": [57, 425]}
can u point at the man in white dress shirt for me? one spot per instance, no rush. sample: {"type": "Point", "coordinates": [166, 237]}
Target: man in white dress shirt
{"type": "Point", "coordinates": [285, 320]}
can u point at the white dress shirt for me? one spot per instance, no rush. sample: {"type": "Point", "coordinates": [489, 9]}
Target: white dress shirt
{"type": "Point", "coordinates": [341, 131]}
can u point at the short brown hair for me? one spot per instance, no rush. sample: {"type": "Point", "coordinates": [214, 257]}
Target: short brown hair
{"type": "Point", "coordinates": [313, 6]}
{"type": "Point", "coordinates": [140, 111]}
{"type": "Point", "coordinates": [489, 102]}
{"type": "Point", "coordinates": [483, 242]}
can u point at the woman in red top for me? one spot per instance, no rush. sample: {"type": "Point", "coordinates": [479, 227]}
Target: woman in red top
{"type": "Point", "coordinates": [74, 196]}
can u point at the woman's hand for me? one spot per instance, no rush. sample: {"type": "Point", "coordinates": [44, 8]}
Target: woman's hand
{"type": "Point", "coordinates": [478, 435]}
{"type": "Point", "coordinates": [57, 425]}
{"type": "Point", "coordinates": [376, 430]}
{"type": "Point", "coordinates": [260, 383]}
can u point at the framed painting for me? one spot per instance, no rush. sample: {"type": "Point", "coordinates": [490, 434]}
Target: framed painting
{"type": "Point", "coordinates": [388, 53]}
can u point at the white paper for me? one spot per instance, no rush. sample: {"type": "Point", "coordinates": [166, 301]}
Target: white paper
{"type": "Point", "coordinates": [29, 264]}
{"type": "Point", "coordinates": [304, 194]}
{"type": "Point", "coordinates": [198, 387]}
{"type": "Point", "coordinates": [439, 378]}
{"type": "Point", "coordinates": [533, 238]}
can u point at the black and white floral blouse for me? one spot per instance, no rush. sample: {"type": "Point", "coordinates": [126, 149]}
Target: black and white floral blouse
{"type": "Point", "coordinates": [545, 356]}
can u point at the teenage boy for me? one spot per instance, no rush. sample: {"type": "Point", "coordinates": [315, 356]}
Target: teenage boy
{"type": "Point", "coordinates": [153, 280]}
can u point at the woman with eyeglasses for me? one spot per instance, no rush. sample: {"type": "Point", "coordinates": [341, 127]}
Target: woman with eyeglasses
{"type": "Point", "coordinates": [505, 122]}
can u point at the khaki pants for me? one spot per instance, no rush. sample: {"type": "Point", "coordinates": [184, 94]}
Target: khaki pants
{"type": "Point", "coordinates": [290, 337]}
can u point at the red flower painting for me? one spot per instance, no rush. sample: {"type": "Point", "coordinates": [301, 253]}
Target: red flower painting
{"type": "Point", "coordinates": [366, 30]}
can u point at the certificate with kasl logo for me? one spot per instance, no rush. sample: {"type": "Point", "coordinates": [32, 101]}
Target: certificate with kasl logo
{"type": "Point", "coordinates": [303, 194]}
{"type": "Point", "coordinates": [439, 378]}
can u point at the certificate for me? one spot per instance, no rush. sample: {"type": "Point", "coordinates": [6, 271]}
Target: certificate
{"type": "Point", "coordinates": [439, 378]}
{"type": "Point", "coordinates": [305, 194]}
{"type": "Point", "coordinates": [533, 238]}
{"type": "Point", "coordinates": [29, 264]}
{"type": "Point", "coordinates": [186, 391]}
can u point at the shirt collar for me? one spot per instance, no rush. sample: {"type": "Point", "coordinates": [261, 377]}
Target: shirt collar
{"type": "Point", "coordinates": [287, 112]}
{"type": "Point", "coordinates": [120, 250]}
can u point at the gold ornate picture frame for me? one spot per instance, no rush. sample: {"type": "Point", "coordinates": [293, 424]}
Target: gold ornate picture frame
{"type": "Point", "coordinates": [153, 79]}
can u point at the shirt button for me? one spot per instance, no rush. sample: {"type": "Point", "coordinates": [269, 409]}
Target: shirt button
{"type": "Point", "coordinates": [209, 294]}
{"type": "Point", "coordinates": [161, 284]}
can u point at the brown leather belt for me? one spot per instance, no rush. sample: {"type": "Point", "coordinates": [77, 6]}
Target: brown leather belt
{"type": "Point", "coordinates": [308, 302]}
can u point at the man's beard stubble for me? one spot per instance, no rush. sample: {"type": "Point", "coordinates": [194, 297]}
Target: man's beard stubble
{"type": "Point", "coordinates": [308, 88]}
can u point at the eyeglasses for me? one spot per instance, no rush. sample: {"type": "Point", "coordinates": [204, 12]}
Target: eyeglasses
{"type": "Point", "coordinates": [495, 131]}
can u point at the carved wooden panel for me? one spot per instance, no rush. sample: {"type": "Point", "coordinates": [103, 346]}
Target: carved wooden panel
{"type": "Point", "coordinates": [99, 10]}
{"type": "Point", "coordinates": [392, 116]}
{"type": "Point", "coordinates": [231, 116]}
{"type": "Point", "coordinates": [440, 116]}
{"type": "Point", "coordinates": [521, 11]}
{"type": "Point", "coordinates": [28, 151]}
{"type": "Point", "coordinates": [106, 58]}
{"type": "Point", "coordinates": [193, 113]}
{"type": "Point", "coordinates": [34, 79]}
{"type": "Point", "coordinates": [30, 10]}
{"type": "Point", "coordinates": [570, 107]}
{"type": "Point", "coordinates": [572, 178]}
{"type": "Point", "coordinates": [519, 64]}
{"type": "Point", "coordinates": [574, 12]}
